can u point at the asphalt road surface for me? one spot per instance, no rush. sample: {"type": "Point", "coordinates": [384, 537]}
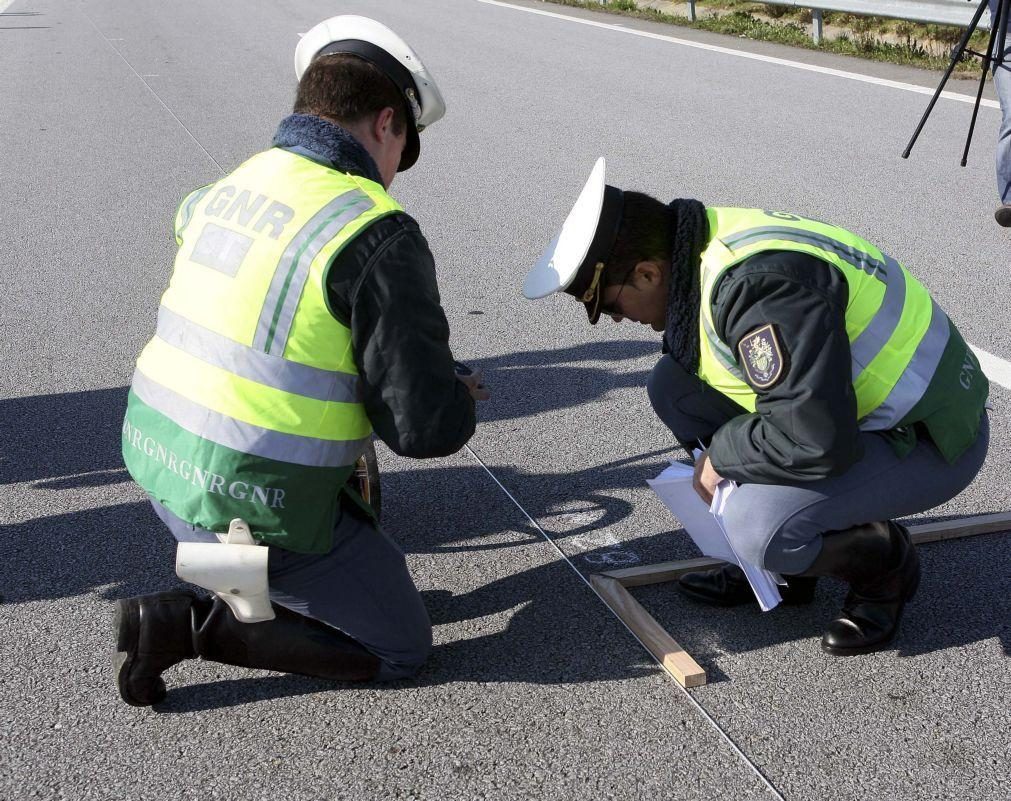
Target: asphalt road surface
{"type": "Point", "coordinates": [111, 112]}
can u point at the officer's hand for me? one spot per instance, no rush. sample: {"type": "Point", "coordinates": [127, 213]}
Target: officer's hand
{"type": "Point", "coordinates": [705, 479]}
{"type": "Point", "coordinates": [473, 382]}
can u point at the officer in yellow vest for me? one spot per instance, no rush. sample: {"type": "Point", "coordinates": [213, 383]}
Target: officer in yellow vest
{"type": "Point", "coordinates": [302, 315]}
{"type": "Point", "coordinates": [815, 371]}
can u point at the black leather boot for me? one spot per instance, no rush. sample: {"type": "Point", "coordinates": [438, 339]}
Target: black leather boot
{"type": "Point", "coordinates": [880, 563]}
{"type": "Point", "coordinates": [155, 632]}
{"type": "Point", "coordinates": [727, 586]}
{"type": "Point", "coordinates": [152, 634]}
{"type": "Point", "coordinates": [290, 643]}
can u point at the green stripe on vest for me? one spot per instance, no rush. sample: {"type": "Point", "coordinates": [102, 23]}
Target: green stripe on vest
{"type": "Point", "coordinates": [206, 484]}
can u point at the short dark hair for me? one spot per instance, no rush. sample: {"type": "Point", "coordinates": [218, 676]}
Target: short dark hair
{"type": "Point", "coordinates": [644, 235]}
{"type": "Point", "coordinates": [345, 88]}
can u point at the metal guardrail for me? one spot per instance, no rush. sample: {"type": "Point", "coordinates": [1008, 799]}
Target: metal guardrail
{"type": "Point", "coordinates": [936, 12]}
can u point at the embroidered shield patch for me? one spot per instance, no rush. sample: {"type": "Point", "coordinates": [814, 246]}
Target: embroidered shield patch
{"type": "Point", "coordinates": [761, 357]}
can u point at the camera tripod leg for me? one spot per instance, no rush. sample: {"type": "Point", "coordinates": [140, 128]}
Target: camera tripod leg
{"type": "Point", "coordinates": [955, 56]}
{"type": "Point", "coordinates": [979, 92]}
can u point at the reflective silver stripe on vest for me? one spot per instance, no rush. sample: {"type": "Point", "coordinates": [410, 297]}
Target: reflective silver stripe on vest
{"type": "Point", "coordinates": [274, 371]}
{"type": "Point", "coordinates": [245, 437]}
{"type": "Point", "coordinates": [721, 350]}
{"type": "Point", "coordinates": [882, 325]}
{"type": "Point", "coordinates": [869, 342]}
{"type": "Point", "coordinates": [293, 269]}
{"type": "Point", "coordinates": [857, 258]}
{"type": "Point", "coordinates": [189, 206]}
{"type": "Point", "coordinates": [915, 378]}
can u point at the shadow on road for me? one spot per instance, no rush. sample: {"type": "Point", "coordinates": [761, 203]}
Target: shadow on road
{"type": "Point", "coordinates": [73, 437]}
{"type": "Point", "coordinates": [528, 383]}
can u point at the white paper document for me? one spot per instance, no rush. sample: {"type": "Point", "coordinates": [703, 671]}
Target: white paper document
{"type": "Point", "coordinates": [706, 526]}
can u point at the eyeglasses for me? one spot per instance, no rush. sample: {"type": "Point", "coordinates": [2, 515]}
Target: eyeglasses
{"type": "Point", "coordinates": [611, 309]}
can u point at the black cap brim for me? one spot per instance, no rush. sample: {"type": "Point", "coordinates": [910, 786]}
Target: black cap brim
{"type": "Point", "coordinates": [412, 149]}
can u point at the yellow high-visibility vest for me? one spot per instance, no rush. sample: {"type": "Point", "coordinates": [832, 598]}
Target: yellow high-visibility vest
{"type": "Point", "coordinates": [246, 403]}
{"type": "Point", "coordinates": [897, 333]}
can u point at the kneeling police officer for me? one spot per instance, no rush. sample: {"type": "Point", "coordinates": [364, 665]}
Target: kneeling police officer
{"type": "Point", "coordinates": [303, 313]}
{"type": "Point", "coordinates": [816, 371]}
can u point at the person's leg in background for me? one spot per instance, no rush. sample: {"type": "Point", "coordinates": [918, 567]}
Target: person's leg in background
{"type": "Point", "coordinates": [1002, 84]}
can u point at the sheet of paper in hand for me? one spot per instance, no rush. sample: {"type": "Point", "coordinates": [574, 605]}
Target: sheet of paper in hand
{"type": "Point", "coordinates": [706, 527]}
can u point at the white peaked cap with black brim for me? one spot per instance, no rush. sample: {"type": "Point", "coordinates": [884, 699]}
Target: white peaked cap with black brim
{"type": "Point", "coordinates": [377, 44]}
{"type": "Point", "coordinates": [575, 260]}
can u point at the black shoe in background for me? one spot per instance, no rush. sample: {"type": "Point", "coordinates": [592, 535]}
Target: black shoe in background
{"type": "Point", "coordinates": [727, 586]}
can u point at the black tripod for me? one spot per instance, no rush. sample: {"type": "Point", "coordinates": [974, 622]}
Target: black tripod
{"type": "Point", "coordinates": [998, 34]}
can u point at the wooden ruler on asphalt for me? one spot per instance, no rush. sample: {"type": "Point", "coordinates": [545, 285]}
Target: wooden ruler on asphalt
{"type": "Point", "coordinates": [611, 587]}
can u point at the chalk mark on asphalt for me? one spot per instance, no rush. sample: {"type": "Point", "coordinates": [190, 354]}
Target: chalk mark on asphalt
{"type": "Point", "coordinates": [757, 771]}
{"type": "Point", "coordinates": [800, 65]}
{"type": "Point", "coordinates": [140, 77]}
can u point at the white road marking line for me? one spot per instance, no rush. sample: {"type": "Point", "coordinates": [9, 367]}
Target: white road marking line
{"type": "Point", "coordinates": [853, 76]}
{"type": "Point", "coordinates": [996, 369]}
{"type": "Point", "coordinates": [5, 4]}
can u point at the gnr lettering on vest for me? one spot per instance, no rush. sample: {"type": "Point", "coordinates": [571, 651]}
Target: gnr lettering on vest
{"type": "Point", "coordinates": [226, 204]}
{"type": "Point", "coordinates": [206, 480]}
{"type": "Point", "coordinates": [968, 370]}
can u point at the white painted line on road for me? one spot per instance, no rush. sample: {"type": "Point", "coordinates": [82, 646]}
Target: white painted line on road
{"type": "Point", "coordinates": [996, 369]}
{"type": "Point", "coordinates": [783, 62]}
{"type": "Point", "coordinates": [5, 4]}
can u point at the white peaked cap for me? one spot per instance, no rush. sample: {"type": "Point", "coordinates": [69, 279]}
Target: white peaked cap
{"type": "Point", "coordinates": [574, 259]}
{"type": "Point", "coordinates": [377, 44]}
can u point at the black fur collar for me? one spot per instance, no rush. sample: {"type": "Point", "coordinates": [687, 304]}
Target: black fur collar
{"type": "Point", "coordinates": [689, 235]}
{"type": "Point", "coordinates": [326, 142]}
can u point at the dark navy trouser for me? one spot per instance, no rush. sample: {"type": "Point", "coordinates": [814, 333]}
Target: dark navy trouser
{"type": "Point", "coordinates": [780, 526]}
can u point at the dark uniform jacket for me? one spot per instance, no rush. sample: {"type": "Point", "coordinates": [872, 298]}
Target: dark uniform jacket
{"type": "Point", "coordinates": [805, 427]}
{"type": "Point", "coordinates": [382, 285]}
